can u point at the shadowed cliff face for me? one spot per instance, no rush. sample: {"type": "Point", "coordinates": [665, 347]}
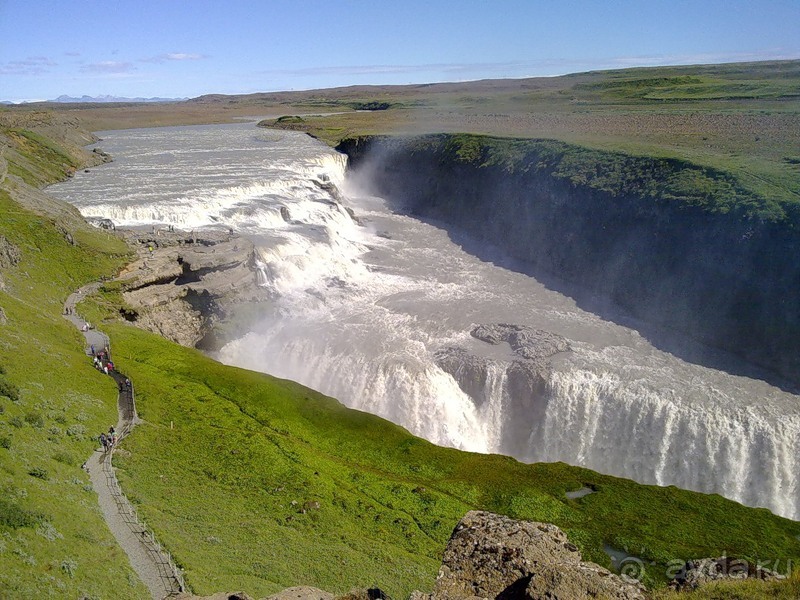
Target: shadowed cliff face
{"type": "Point", "coordinates": [722, 273]}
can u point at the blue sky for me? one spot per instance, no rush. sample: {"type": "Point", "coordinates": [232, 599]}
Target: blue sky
{"type": "Point", "coordinates": [179, 48]}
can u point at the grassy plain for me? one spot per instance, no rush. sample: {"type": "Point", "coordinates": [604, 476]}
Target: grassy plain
{"type": "Point", "coordinates": [740, 118]}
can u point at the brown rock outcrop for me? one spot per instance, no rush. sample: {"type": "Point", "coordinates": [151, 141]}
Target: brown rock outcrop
{"type": "Point", "coordinates": [492, 556]}
{"type": "Point", "coordinates": [9, 254]}
{"type": "Point", "coordinates": [184, 282]}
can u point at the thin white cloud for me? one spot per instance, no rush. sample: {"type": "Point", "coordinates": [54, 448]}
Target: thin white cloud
{"type": "Point", "coordinates": [184, 56]}
{"type": "Point", "coordinates": [173, 56]}
{"type": "Point", "coordinates": [33, 65]}
{"type": "Point", "coordinates": [531, 67]}
{"type": "Point", "coordinates": [109, 67]}
{"type": "Point", "coordinates": [704, 58]}
{"type": "Point", "coordinates": [369, 69]}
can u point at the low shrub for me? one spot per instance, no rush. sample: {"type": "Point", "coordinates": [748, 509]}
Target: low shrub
{"type": "Point", "coordinates": [77, 430]}
{"type": "Point", "coordinates": [9, 390]}
{"type": "Point", "coordinates": [39, 473]}
{"type": "Point", "coordinates": [64, 458]}
{"type": "Point", "coordinates": [69, 566]}
{"type": "Point", "coordinates": [14, 516]}
{"type": "Point", "coordinates": [34, 419]}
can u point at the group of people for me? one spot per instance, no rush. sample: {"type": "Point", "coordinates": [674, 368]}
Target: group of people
{"type": "Point", "coordinates": [102, 364]}
{"type": "Point", "coordinates": [102, 360]}
{"type": "Point", "coordinates": [108, 440]}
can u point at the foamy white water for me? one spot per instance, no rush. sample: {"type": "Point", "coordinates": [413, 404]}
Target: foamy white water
{"type": "Point", "coordinates": [361, 311]}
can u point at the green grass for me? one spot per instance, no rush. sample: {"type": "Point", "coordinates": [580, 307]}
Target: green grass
{"type": "Point", "coordinates": [52, 402]}
{"type": "Point", "coordinates": [49, 514]}
{"type": "Point", "coordinates": [655, 88]}
{"type": "Point", "coordinates": [228, 458]}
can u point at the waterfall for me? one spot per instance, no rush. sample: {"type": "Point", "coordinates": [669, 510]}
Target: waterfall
{"type": "Point", "coordinates": [747, 453]}
{"type": "Point", "coordinates": [379, 311]}
{"type": "Point", "coordinates": [397, 382]}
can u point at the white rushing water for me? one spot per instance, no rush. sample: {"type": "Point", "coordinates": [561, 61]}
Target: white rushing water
{"type": "Point", "coordinates": [361, 311]}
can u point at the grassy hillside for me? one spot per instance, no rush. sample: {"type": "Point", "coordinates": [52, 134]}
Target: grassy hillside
{"type": "Point", "coordinates": [53, 540]}
{"type": "Point", "coordinates": [259, 483]}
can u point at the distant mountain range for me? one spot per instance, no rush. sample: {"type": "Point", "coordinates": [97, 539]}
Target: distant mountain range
{"type": "Point", "coordinates": [107, 98]}
{"type": "Point", "coordinates": [64, 99]}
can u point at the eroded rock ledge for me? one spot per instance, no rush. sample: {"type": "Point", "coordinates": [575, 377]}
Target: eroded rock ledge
{"type": "Point", "coordinates": [492, 556]}
{"type": "Point", "coordinates": [183, 282]}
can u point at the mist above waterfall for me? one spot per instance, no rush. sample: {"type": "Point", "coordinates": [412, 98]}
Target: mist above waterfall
{"type": "Point", "coordinates": [383, 313]}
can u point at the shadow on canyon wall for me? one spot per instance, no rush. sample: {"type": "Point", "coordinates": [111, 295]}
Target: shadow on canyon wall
{"type": "Point", "coordinates": [673, 341]}
{"type": "Point", "coordinates": [717, 289]}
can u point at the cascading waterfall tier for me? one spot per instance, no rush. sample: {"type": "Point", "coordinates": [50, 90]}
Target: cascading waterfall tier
{"type": "Point", "coordinates": [392, 316]}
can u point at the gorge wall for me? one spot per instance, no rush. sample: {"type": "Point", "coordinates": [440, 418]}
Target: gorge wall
{"type": "Point", "coordinates": [676, 246]}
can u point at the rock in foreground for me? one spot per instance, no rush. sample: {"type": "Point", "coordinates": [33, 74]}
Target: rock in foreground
{"type": "Point", "coordinates": [491, 556]}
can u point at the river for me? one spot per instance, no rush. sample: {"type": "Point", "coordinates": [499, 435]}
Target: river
{"type": "Point", "coordinates": [378, 311]}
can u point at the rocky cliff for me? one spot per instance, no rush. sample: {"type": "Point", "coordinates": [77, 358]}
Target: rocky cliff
{"type": "Point", "coordinates": [184, 282]}
{"type": "Point", "coordinates": [677, 247]}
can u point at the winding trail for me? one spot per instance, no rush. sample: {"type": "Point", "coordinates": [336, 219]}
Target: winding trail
{"type": "Point", "coordinates": [151, 563]}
